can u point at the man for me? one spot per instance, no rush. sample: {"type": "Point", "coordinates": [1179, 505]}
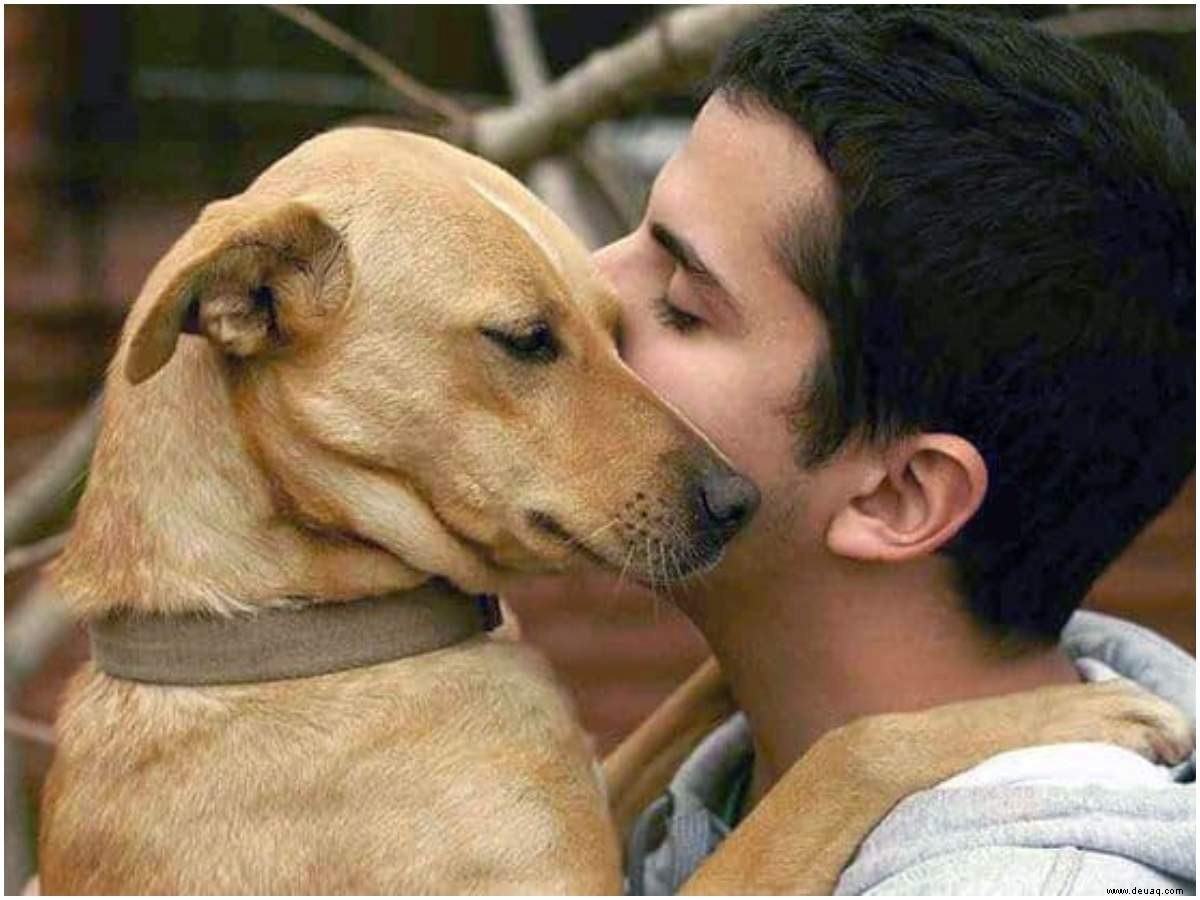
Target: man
{"type": "Point", "coordinates": [928, 280]}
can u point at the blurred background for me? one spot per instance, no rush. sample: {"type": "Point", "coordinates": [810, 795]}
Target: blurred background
{"type": "Point", "coordinates": [121, 122]}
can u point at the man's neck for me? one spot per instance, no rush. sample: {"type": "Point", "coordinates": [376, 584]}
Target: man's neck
{"type": "Point", "coordinates": [833, 647]}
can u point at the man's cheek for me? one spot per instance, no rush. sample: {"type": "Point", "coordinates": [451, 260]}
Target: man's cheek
{"type": "Point", "coordinates": [697, 382]}
{"type": "Point", "coordinates": [643, 350]}
{"type": "Point", "coordinates": [672, 374]}
{"type": "Point", "coordinates": [736, 409]}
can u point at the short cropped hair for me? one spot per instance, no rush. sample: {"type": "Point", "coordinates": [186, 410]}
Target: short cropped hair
{"type": "Point", "coordinates": [1012, 260]}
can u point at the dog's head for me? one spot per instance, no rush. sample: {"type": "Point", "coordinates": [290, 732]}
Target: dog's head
{"type": "Point", "coordinates": [420, 356]}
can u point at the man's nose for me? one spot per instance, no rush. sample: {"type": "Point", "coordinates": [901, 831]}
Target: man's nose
{"type": "Point", "coordinates": [622, 270]}
{"type": "Point", "coordinates": [609, 259]}
{"type": "Point", "coordinates": [599, 254]}
{"type": "Point", "coordinates": [613, 263]}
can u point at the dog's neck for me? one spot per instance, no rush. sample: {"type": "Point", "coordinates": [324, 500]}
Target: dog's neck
{"type": "Point", "coordinates": [178, 517]}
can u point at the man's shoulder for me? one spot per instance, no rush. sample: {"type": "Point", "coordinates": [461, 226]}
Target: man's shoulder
{"type": "Point", "coordinates": [1035, 837]}
{"type": "Point", "coordinates": [1026, 871]}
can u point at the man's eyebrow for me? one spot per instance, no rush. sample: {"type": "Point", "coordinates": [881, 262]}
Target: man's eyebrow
{"type": "Point", "coordinates": [684, 254]}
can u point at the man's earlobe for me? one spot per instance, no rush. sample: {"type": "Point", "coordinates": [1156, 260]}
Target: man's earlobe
{"type": "Point", "coordinates": [254, 286]}
{"type": "Point", "coordinates": [925, 489]}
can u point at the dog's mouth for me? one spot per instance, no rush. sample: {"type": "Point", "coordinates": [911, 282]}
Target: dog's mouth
{"type": "Point", "coordinates": [654, 563]}
{"type": "Point", "coordinates": [665, 569]}
{"type": "Point", "coordinates": [546, 524]}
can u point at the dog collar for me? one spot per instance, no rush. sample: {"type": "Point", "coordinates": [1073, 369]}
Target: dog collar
{"type": "Point", "coordinates": [289, 642]}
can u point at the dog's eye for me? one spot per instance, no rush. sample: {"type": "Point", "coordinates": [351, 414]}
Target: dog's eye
{"type": "Point", "coordinates": [537, 344]}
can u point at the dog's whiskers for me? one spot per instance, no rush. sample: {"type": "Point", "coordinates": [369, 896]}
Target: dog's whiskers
{"type": "Point", "coordinates": [670, 570]}
{"type": "Point", "coordinates": [629, 551]}
{"type": "Point", "coordinates": [680, 576]}
{"type": "Point", "coordinates": [656, 578]}
{"type": "Point", "coordinates": [587, 539]}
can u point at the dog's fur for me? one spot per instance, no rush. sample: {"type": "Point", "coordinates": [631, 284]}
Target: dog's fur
{"type": "Point", "coordinates": [346, 429]}
{"type": "Point", "coordinates": [347, 418]}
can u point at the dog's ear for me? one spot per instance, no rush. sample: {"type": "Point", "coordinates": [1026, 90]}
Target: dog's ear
{"type": "Point", "coordinates": [258, 283]}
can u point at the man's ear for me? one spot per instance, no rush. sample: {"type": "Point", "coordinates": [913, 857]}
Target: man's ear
{"type": "Point", "coordinates": [922, 492]}
{"type": "Point", "coordinates": [258, 283]}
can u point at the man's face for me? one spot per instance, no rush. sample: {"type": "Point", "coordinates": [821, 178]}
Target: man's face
{"type": "Point", "coordinates": [711, 319]}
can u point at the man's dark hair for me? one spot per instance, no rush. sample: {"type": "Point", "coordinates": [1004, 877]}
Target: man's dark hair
{"type": "Point", "coordinates": [1012, 260]}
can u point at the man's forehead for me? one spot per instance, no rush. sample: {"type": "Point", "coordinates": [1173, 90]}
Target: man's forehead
{"type": "Point", "coordinates": [744, 183]}
{"type": "Point", "coordinates": [768, 147]}
{"type": "Point", "coordinates": [750, 193]}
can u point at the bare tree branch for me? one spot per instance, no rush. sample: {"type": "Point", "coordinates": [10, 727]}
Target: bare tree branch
{"type": "Point", "coordinates": [1090, 23]}
{"type": "Point", "coordinates": [34, 554]}
{"type": "Point", "coordinates": [673, 51]}
{"type": "Point", "coordinates": [27, 729]}
{"type": "Point", "coordinates": [524, 65]}
{"type": "Point", "coordinates": [593, 156]}
{"type": "Point", "coordinates": [18, 848]}
{"type": "Point", "coordinates": [519, 48]}
{"type": "Point", "coordinates": [31, 632]}
{"type": "Point", "coordinates": [677, 49]}
{"type": "Point", "coordinates": [417, 94]}
{"type": "Point", "coordinates": [44, 492]}
{"type": "Point", "coordinates": [25, 649]}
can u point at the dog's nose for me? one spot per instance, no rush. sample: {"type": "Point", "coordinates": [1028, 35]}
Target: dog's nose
{"type": "Point", "coordinates": [727, 501]}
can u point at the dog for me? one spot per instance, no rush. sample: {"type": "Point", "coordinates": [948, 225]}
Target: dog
{"type": "Point", "coordinates": [380, 382]}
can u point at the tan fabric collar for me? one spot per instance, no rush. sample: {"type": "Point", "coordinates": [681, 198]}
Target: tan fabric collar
{"type": "Point", "coordinates": [295, 642]}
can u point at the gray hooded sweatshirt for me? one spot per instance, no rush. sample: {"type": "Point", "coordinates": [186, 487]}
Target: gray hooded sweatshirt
{"type": "Point", "coordinates": [1076, 819]}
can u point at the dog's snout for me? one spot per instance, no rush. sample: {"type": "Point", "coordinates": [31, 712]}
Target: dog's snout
{"type": "Point", "coordinates": [726, 503]}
